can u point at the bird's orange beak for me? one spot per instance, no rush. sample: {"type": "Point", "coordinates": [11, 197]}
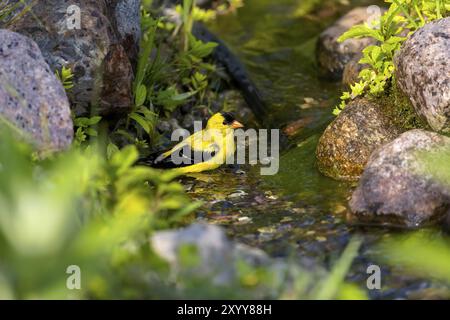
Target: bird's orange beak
{"type": "Point", "coordinates": [236, 125]}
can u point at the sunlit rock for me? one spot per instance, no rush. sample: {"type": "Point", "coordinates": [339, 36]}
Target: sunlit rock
{"type": "Point", "coordinates": [396, 188]}
{"type": "Point", "coordinates": [348, 142]}
{"type": "Point", "coordinates": [423, 73]}
{"type": "Point", "coordinates": [332, 56]}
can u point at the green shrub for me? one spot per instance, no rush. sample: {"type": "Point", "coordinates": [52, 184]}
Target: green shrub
{"type": "Point", "coordinates": [402, 19]}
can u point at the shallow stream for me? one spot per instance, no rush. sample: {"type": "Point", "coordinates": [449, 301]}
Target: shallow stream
{"type": "Point", "coordinates": [297, 212]}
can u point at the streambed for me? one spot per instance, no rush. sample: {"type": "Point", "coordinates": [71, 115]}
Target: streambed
{"type": "Point", "coordinates": [297, 213]}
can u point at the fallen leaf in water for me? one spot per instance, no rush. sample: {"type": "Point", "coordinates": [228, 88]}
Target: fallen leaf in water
{"type": "Point", "coordinates": [294, 127]}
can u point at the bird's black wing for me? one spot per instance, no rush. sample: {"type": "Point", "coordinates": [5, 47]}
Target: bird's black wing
{"type": "Point", "coordinates": [184, 156]}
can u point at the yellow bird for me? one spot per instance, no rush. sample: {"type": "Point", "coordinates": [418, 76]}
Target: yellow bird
{"type": "Point", "coordinates": [204, 150]}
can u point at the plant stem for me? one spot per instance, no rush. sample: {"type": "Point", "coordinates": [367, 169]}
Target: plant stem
{"type": "Point", "coordinates": [407, 15]}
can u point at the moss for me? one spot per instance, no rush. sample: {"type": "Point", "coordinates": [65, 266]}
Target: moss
{"type": "Point", "coordinates": [396, 105]}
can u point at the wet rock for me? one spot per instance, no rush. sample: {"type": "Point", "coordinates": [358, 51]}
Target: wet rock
{"type": "Point", "coordinates": [188, 121]}
{"type": "Point", "coordinates": [164, 126]}
{"type": "Point", "coordinates": [351, 72]}
{"type": "Point", "coordinates": [31, 97]}
{"type": "Point", "coordinates": [348, 142]}
{"type": "Point", "coordinates": [235, 102]}
{"type": "Point", "coordinates": [332, 56]}
{"type": "Point", "coordinates": [395, 189]}
{"type": "Point", "coordinates": [100, 52]}
{"type": "Point", "coordinates": [217, 255]}
{"type": "Point", "coordinates": [423, 73]}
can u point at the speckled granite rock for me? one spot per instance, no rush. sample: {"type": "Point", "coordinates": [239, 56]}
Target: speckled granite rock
{"type": "Point", "coordinates": [31, 97]}
{"type": "Point", "coordinates": [423, 73]}
{"type": "Point", "coordinates": [332, 56]}
{"type": "Point", "coordinates": [395, 189]}
{"type": "Point", "coordinates": [348, 142]}
{"type": "Point", "coordinates": [100, 53]}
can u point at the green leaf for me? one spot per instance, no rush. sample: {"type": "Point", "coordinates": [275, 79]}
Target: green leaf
{"type": "Point", "coordinates": [141, 121]}
{"type": "Point", "coordinates": [111, 150]}
{"type": "Point", "coordinates": [141, 95]}
{"type": "Point", "coordinates": [94, 120]}
{"type": "Point", "coordinates": [200, 49]}
{"type": "Point", "coordinates": [125, 158]}
{"type": "Point", "coordinates": [360, 31]}
{"type": "Point", "coordinates": [91, 132]}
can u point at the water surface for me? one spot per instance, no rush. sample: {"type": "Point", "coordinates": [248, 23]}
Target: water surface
{"type": "Point", "coordinates": [298, 211]}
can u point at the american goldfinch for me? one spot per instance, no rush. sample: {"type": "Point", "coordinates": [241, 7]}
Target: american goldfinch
{"type": "Point", "coordinates": [204, 150]}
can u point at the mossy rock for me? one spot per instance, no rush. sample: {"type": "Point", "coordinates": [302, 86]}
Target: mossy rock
{"type": "Point", "coordinates": [348, 142]}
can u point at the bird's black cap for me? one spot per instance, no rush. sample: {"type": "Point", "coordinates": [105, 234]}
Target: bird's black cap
{"type": "Point", "coordinates": [229, 117]}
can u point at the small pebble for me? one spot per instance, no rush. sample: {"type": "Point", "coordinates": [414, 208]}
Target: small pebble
{"type": "Point", "coordinates": [286, 219]}
{"type": "Point", "coordinates": [238, 194]}
{"type": "Point", "coordinates": [267, 230]}
{"type": "Point", "coordinates": [340, 209]}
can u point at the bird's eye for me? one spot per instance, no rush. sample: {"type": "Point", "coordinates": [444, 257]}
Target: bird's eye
{"type": "Point", "coordinates": [224, 122]}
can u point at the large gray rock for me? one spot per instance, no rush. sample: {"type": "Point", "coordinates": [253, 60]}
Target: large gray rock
{"type": "Point", "coordinates": [101, 53]}
{"type": "Point", "coordinates": [423, 73]}
{"type": "Point", "coordinates": [396, 189]}
{"type": "Point", "coordinates": [348, 142]}
{"type": "Point", "coordinates": [32, 99]}
{"type": "Point", "coordinates": [332, 56]}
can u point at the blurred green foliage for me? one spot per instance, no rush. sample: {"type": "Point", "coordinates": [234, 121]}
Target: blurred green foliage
{"type": "Point", "coordinates": [78, 207]}
{"type": "Point", "coordinates": [424, 253]}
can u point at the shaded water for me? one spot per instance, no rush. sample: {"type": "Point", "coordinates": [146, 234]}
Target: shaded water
{"type": "Point", "coordinates": [298, 211]}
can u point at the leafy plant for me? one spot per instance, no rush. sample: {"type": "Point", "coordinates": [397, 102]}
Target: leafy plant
{"type": "Point", "coordinates": [188, 21]}
{"type": "Point", "coordinates": [84, 128]}
{"type": "Point", "coordinates": [78, 207]}
{"type": "Point", "coordinates": [66, 77]}
{"type": "Point", "coordinates": [163, 84]}
{"type": "Point", "coordinates": [401, 19]}
{"type": "Point", "coordinates": [10, 12]}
